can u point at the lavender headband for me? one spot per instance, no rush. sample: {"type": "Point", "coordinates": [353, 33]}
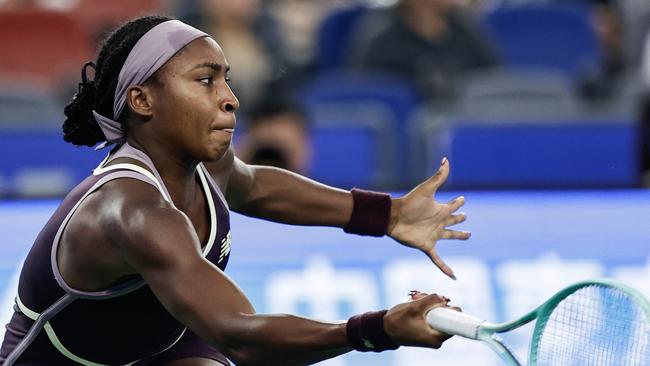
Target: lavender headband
{"type": "Point", "coordinates": [148, 55]}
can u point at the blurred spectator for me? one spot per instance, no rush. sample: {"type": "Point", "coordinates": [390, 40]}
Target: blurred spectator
{"type": "Point", "coordinates": [644, 142]}
{"type": "Point", "coordinates": [606, 20]}
{"type": "Point", "coordinates": [645, 62]}
{"type": "Point", "coordinates": [636, 20]}
{"type": "Point", "coordinates": [478, 7]}
{"type": "Point", "coordinates": [430, 42]}
{"type": "Point", "coordinates": [60, 5]}
{"type": "Point", "coordinates": [277, 134]}
{"type": "Point", "coordinates": [299, 21]}
{"type": "Point", "coordinates": [644, 131]}
{"type": "Point", "coordinates": [248, 36]}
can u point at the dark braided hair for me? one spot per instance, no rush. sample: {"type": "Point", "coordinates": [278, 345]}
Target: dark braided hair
{"type": "Point", "coordinates": [80, 127]}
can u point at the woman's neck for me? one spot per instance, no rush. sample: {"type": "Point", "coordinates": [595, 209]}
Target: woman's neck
{"type": "Point", "coordinates": [178, 175]}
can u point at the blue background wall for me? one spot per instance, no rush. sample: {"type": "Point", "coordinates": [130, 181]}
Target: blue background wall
{"type": "Point", "coordinates": [525, 246]}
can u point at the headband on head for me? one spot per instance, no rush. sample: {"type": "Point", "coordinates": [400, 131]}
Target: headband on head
{"type": "Point", "coordinates": [148, 55]}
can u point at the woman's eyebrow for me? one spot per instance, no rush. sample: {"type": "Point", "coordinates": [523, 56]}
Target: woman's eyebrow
{"type": "Point", "coordinates": [213, 65]}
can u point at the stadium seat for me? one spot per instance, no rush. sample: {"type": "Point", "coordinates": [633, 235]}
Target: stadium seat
{"type": "Point", "coordinates": [34, 159]}
{"type": "Point", "coordinates": [515, 129]}
{"type": "Point", "coordinates": [43, 45]}
{"type": "Point", "coordinates": [560, 154]}
{"type": "Point", "coordinates": [334, 35]}
{"type": "Point", "coordinates": [353, 144]}
{"type": "Point", "coordinates": [48, 166]}
{"type": "Point", "coordinates": [560, 37]}
{"type": "Point", "coordinates": [587, 152]}
{"type": "Point", "coordinates": [27, 106]}
{"type": "Point", "coordinates": [343, 86]}
{"type": "Point", "coordinates": [517, 92]}
{"type": "Point", "coordinates": [395, 94]}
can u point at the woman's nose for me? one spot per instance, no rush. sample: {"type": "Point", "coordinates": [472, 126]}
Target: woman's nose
{"type": "Point", "coordinates": [230, 103]}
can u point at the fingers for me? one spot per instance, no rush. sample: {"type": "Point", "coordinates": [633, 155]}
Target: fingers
{"type": "Point", "coordinates": [436, 337]}
{"type": "Point", "coordinates": [430, 299]}
{"type": "Point", "coordinates": [432, 184]}
{"type": "Point", "coordinates": [415, 331]}
{"type": "Point", "coordinates": [417, 295]}
{"type": "Point", "coordinates": [441, 264]}
{"type": "Point", "coordinates": [456, 203]}
{"type": "Point", "coordinates": [456, 308]}
{"type": "Point", "coordinates": [455, 234]}
{"type": "Point", "coordinates": [455, 219]}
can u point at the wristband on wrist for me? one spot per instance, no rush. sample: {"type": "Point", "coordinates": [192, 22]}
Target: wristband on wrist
{"type": "Point", "coordinates": [370, 213]}
{"type": "Point", "coordinates": [365, 332]}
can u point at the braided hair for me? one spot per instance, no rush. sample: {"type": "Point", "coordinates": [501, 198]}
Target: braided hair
{"type": "Point", "coordinates": [80, 127]}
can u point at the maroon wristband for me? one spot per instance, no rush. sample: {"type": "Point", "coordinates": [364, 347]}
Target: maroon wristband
{"type": "Point", "coordinates": [370, 213]}
{"type": "Point", "coordinates": [366, 332]}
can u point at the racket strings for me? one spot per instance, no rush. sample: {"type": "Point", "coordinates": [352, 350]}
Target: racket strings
{"type": "Point", "coordinates": [597, 326]}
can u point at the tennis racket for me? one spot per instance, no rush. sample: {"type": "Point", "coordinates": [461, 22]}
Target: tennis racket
{"type": "Point", "coordinates": [597, 322]}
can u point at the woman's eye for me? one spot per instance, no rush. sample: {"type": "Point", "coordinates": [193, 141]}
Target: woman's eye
{"type": "Point", "coordinates": [207, 80]}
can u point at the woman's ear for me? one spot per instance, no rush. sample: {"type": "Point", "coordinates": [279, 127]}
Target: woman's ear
{"type": "Point", "coordinates": [140, 100]}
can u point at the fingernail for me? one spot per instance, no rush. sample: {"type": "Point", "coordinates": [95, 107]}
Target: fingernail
{"type": "Point", "coordinates": [444, 161]}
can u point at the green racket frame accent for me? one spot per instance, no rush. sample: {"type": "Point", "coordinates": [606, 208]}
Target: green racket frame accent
{"type": "Point", "coordinates": [487, 331]}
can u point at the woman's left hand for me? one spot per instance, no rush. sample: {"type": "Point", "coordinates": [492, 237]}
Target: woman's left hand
{"type": "Point", "coordinates": [418, 221]}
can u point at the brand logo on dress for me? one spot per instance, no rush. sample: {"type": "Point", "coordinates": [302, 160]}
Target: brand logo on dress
{"type": "Point", "coordinates": [225, 247]}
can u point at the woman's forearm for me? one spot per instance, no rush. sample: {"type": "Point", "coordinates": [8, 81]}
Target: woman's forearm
{"type": "Point", "coordinates": [285, 340]}
{"type": "Point", "coordinates": [282, 196]}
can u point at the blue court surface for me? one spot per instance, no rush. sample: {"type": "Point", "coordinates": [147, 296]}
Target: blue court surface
{"type": "Point", "coordinates": [525, 246]}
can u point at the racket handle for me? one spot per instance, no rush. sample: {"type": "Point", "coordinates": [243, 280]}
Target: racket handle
{"type": "Point", "coordinates": [454, 322]}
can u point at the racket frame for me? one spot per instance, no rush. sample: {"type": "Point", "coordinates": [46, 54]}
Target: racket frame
{"type": "Point", "coordinates": [545, 310]}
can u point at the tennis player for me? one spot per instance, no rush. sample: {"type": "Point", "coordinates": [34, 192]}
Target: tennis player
{"type": "Point", "coordinates": [129, 269]}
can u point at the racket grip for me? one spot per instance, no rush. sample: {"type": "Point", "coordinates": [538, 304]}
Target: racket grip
{"type": "Point", "coordinates": [454, 322]}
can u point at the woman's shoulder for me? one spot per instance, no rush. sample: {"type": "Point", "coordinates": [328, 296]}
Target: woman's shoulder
{"type": "Point", "coordinates": [106, 209]}
{"type": "Point", "coordinates": [109, 225]}
{"type": "Point", "coordinates": [129, 213]}
{"type": "Point", "coordinates": [118, 197]}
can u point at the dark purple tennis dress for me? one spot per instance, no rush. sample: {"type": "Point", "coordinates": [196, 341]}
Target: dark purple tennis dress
{"type": "Point", "coordinates": [54, 324]}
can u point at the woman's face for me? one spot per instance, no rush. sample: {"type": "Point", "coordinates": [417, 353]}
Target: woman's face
{"type": "Point", "coordinates": [193, 107]}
